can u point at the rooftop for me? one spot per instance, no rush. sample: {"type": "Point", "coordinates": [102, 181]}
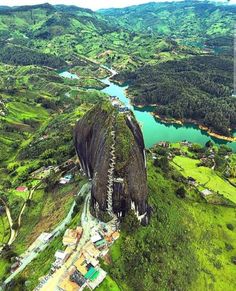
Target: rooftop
{"type": "Point", "coordinates": [72, 236]}
{"type": "Point", "coordinates": [22, 189]}
{"type": "Point", "coordinates": [91, 250]}
{"type": "Point", "coordinates": [80, 265]}
{"type": "Point", "coordinates": [92, 274]}
{"type": "Point", "coordinates": [206, 192]}
{"type": "Point", "coordinates": [61, 255]}
{"type": "Point", "coordinates": [96, 237]}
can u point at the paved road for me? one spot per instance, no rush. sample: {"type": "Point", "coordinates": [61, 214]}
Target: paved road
{"type": "Point", "coordinates": [113, 72]}
{"type": "Point", "coordinates": [30, 255]}
{"type": "Point", "coordinates": [87, 222]}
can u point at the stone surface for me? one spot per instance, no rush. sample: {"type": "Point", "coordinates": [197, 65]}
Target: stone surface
{"type": "Point", "coordinates": [93, 143]}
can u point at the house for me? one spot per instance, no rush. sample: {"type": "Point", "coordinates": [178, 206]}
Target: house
{"type": "Point", "coordinates": [90, 249]}
{"type": "Point", "coordinates": [22, 189]}
{"type": "Point", "coordinates": [15, 266]}
{"type": "Point", "coordinates": [96, 237]}
{"type": "Point", "coordinates": [69, 250]}
{"type": "Point", "coordinates": [100, 276]}
{"type": "Point", "coordinates": [61, 258]}
{"type": "Point", "coordinates": [206, 192]}
{"type": "Point", "coordinates": [100, 244]}
{"type": "Point", "coordinates": [191, 181]}
{"type": "Point", "coordinates": [81, 264]}
{"type": "Point", "coordinates": [72, 236]}
{"type": "Point", "coordinates": [77, 278]}
{"type": "Point", "coordinates": [66, 179]}
{"type": "Point", "coordinates": [92, 274]}
{"type": "Point", "coordinates": [66, 284]}
{"type": "Point", "coordinates": [115, 235]}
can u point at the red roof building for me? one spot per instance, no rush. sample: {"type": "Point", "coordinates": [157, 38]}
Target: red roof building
{"type": "Point", "coordinates": [22, 189]}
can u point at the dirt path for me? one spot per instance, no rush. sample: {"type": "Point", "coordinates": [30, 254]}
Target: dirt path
{"type": "Point", "coordinates": [10, 221]}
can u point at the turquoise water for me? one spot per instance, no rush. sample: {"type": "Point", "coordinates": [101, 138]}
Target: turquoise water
{"type": "Point", "coordinates": [155, 131]}
{"type": "Point", "coordinates": [68, 75]}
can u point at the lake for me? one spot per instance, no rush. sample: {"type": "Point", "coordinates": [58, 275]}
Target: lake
{"type": "Point", "coordinates": [155, 131]}
{"type": "Point", "coordinates": [68, 75]}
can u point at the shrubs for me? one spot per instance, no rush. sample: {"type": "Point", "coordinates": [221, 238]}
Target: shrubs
{"type": "Point", "coordinates": [130, 223]}
{"type": "Point", "coordinates": [233, 260]}
{"type": "Point", "coordinates": [181, 192]}
{"type": "Point", "coordinates": [230, 226]}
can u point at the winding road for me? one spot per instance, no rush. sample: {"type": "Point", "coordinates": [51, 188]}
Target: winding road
{"type": "Point", "coordinates": [28, 256]}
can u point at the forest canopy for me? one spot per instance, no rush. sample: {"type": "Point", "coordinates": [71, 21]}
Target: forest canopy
{"type": "Point", "coordinates": [198, 88]}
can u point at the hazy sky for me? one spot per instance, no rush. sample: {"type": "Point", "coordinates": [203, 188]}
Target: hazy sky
{"type": "Point", "coordinates": [93, 4]}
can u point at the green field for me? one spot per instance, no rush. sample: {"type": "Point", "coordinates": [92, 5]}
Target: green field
{"type": "Point", "coordinates": [108, 284]}
{"type": "Point", "coordinates": [206, 177]}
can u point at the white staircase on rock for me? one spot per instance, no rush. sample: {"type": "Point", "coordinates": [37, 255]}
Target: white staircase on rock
{"type": "Point", "coordinates": [110, 181]}
{"type": "Point", "coordinates": [111, 176]}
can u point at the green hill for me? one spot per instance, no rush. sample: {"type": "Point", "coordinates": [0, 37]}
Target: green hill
{"type": "Point", "coordinates": [177, 19]}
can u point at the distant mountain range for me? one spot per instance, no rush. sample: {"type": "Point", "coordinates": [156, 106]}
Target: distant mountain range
{"type": "Point", "coordinates": [179, 19]}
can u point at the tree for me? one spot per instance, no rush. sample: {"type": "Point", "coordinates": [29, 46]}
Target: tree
{"type": "Point", "coordinates": [130, 223]}
{"type": "Point", "coordinates": [181, 192]}
{"type": "Point", "coordinates": [224, 150]}
{"type": "Point", "coordinates": [50, 181]}
{"type": "Point", "coordinates": [209, 144]}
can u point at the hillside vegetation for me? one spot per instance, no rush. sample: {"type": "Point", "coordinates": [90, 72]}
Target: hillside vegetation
{"type": "Point", "coordinates": [188, 243]}
{"type": "Point", "coordinates": [198, 88]}
{"type": "Point", "coordinates": [186, 20]}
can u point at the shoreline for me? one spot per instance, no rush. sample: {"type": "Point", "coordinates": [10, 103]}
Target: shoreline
{"type": "Point", "coordinates": [200, 126]}
{"type": "Point", "coordinates": [182, 122]}
{"type": "Point", "coordinates": [176, 121]}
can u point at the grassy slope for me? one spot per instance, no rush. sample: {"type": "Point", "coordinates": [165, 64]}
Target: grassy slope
{"type": "Point", "coordinates": [207, 177]}
{"type": "Point", "coordinates": [108, 284]}
{"type": "Point", "coordinates": [199, 257]}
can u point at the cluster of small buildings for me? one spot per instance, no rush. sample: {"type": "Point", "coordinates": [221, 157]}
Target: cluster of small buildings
{"type": "Point", "coordinates": [119, 105]}
{"type": "Point", "coordinates": [83, 270]}
{"type": "Point", "coordinates": [45, 171]}
{"type": "Point", "coordinates": [164, 144]}
{"type": "Point", "coordinates": [186, 143]}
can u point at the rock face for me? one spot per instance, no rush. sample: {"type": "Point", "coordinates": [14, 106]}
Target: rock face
{"type": "Point", "coordinates": [110, 149]}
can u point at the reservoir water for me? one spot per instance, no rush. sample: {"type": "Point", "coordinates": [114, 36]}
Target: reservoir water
{"type": "Point", "coordinates": [155, 131]}
{"type": "Point", "coordinates": [68, 75]}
